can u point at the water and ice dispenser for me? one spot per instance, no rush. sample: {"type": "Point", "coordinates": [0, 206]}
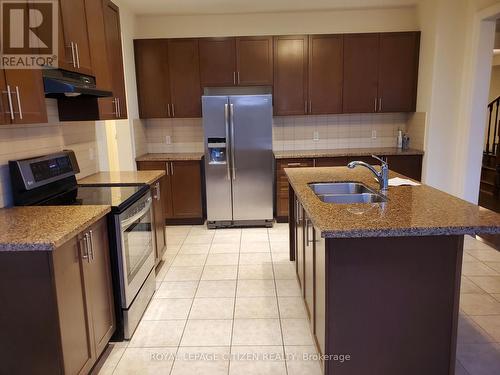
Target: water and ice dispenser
{"type": "Point", "coordinates": [217, 152]}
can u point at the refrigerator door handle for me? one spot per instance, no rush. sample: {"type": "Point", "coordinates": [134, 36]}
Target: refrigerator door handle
{"type": "Point", "coordinates": [226, 122]}
{"type": "Point", "coordinates": [231, 107]}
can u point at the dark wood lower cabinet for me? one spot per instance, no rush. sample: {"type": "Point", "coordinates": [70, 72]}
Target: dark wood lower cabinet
{"type": "Point", "coordinates": [158, 221]}
{"type": "Point", "coordinates": [60, 312]}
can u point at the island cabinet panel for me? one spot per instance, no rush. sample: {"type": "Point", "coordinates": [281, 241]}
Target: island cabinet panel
{"type": "Point", "coordinates": [298, 229]}
{"type": "Point", "coordinates": [320, 291]}
{"type": "Point", "coordinates": [397, 80]}
{"type": "Point", "coordinates": [157, 189]}
{"type": "Point", "coordinates": [153, 82]}
{"type": "Point", "coordinates": [309, 272]}
{"type": "Point", "coordinates": [361, 61]}
{"type": "Point", "coordinates": [184, 73]}
{"type": "Point", "coordinates": [290, 75]}
{"type": "Point", "coordinates": [254, 60]}
{"type": "Point", "coordinates": [218, 62]}
{"type": "Point", "coordinates": [325, 74]}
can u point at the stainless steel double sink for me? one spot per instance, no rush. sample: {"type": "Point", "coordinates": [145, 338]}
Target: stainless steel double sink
{"type": "Point", "coordinates": [346, 193]}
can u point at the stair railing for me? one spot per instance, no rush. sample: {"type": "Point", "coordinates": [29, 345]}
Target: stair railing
{"type": "Point", "coordinates": [491, 146]}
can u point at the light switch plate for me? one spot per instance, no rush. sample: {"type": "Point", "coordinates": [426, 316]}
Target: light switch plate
{"type": "Point", "coordinates": [374, 134]}
{"type": "Point", "coordinates": [168, 140]}
{"type": "Point", "coordinates": [315, 136]}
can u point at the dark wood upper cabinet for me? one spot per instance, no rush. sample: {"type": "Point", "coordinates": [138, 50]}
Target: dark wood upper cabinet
{"type": "Point", "coordinates": [153, 83]}
{"type": "Point", "coordinates": [115, 56]}
{"type": "Point", "coordinates": [217, 61]}
{"type": "Point", "coordinates": [290, 75]}
{"type": "Point", "coordinates": [75, 51]}
{"type": "Point", "coordinates": [398, 71]}
{"type": "Point", "coordinates": [325, 74]}
{"type": "Point", "coordinates": [254, 60]}
{"type": "Point", "coordinates": [361, 58]}
{"type": "Point", "coordinates": [184, 69]}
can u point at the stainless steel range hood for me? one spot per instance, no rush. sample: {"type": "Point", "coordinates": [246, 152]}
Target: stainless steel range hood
{"type": "Point", "coordinates": [62, 83]}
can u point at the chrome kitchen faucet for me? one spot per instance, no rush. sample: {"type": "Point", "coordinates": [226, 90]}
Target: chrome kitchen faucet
{"type": "Point", "coordinates": [382, 176]}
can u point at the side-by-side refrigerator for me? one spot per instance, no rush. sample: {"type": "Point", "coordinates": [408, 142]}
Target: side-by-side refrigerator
{"type": "Point", "coordinates": [238, 160]}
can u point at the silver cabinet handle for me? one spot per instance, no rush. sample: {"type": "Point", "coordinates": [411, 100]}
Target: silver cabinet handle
{"type": "Point", "coordinates": [119, 107]}
{"type": "Point", "coordinates": [115, 102]}
{"type": "Point", "coordinates": [19, 103]}
{"type": "Point", "coordinates": [172, 167]}
{"type": "Point", "coordinates": [307, 230]}
{"type": "Point", "coordinates": [173, 110]}
{"type": "Point", "coordinates": [234, 78]}
{"type": "Point", "coordinates": [85, 252]}
{"type": "Point", "coordinates": [231, 107]}
{"type": "Point", "coordinates": [11, 107]}
{"type": "Point", "coordinates": [168, 109]}
{"type": "Point", "coordinates": [226, 122]}
{"type": "Point", "coordinates": [310, 106]}
{"type": "Point", "coordinates": [380, 104]}
{"type": "Point", "coordinates": [158, 192]}
{"type": "Point", "coordinates": [73, 57]}
{"type": "Point", "coordinates": [294, 164]}
{"type": "Point", "coordinates": [168, 173]}
{"type": "Point", "coordinates": [91, 240]}
{"type": "Point", "coordinates": [77, 56]}
{"type": "Point", "coordinates": [238, 78]}
{"type": "Point", "coordinates": [375, 104]}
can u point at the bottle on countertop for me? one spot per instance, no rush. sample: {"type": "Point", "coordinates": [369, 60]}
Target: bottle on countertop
{"type": "Point", "coordinates": [406, 142]}
{"type": "Point", "coordinates": [400, 138]}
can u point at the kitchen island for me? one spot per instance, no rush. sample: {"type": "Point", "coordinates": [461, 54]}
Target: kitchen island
{"type": "Point", "coordinates": [381, 281]}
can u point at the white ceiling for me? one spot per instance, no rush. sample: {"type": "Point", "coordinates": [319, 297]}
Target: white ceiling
{"type": "Point", "coordinates": [191, 7]}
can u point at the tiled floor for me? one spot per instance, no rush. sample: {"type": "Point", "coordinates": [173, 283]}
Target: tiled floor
{"type": "Point", "coordinates": [228, 303]}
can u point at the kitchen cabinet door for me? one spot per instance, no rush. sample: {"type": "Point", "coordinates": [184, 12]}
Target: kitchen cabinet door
{"type": "Point", "coordinates": [309, 270]}
{"type": "Point", "coordinates": [186, 189]}
{"type": "Point", "coordinates": [398, 71]}
{"type": "Point", "coordinates": [217, 62]}
{"type": "Point", "coordinates": [299, 243]}
{"type": "Point", "coordinates": [27, 93]}
{"type": "Point", "coordinates": [153, 83]}
{"type": "Point", "coordinates": [254, 60]}
{"type": "Point", "coordinates": [4, 102]}
{"type": "Point", "coordinates": [158, 221]}
{"type": "Point", "coordinates": [184, 73]}
{"type": "Point", "coordinates": [73, 310]}
{"type": "Point", "coordinates": [290, 75]}
{"type": "Point", "coordinates": [325, 74]}
{"type": "Point", "coordinates": [99, 287]}
{"type": "Point", "coordinates": [320, 290]}
{"type": "Point", "coordinates": [331, 162]}
{"type": "Point", "coordinates": [165, 183]}
{"type": "Point", "coordinates": [76, 41]}
{"type": "Point", "coordinates": [361, 59]}
{"type": "Point", "coordinates": [408, 165]}
{"type": "Point", "coordinates": [115, 56]}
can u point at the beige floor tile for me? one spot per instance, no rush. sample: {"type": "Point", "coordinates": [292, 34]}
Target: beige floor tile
{"type": "Point", "coordinates": [168, 309]}
{"type": "Point", "coordinates": [201, 229]}
{"type": "Point", "coordinates": [490, 284]}
{"type": "Point", "coordinates": [489, 255]}
{"type": "Point", "coordinates": [479, 359]}
{"type": "Point", "coordinates": [494, 265]}
{"type": "Point", "coordinates": [259, 235]}
{"type": "Point", "coordinates": [201, 361]}
{"type": "Point", "coordinates": [255, 258]}
{"type": "Point", "coordinates": [216, 288]}
{"type": "Point", "coordinates": [281, 236]}
{"type": "Point", "coordinates": [257, 360]}
{"type": "Point", "coordinates": [467, 286]}
{"type": "Point", "coordinates": [477, 269]}
{"type": "Point", "coordinates": [280, 246]}
{"type": "Point", "coordinates": [189, 260]}
{"type": "Point", "coordinates": [207, 333]}
{"type": "Point", "coordinates": [173, 249]}
{"type": "Point", "coordinates": [256, 307]}
{"type": "Point", "coordinates": [157, 333]}
{"type": "Point", "coordinates": [161, 271]}
{"type": "Point", "coordinates": [222, 259]}
{"type": "Point", "coordinates": [471, 333]}
{"type": "Point", "coordinates": [255, 247]}
{"type": "Point", "coordinates": [472, 243]}
{"type": "Point", "coordinates": [176, 289]}
{"type": "Point", "coordinates": [292, 307]}
{"type": "Point", "coordinates": [199, 238]}
{"type": "Point", "coordinates": [491, 324]}
{"type": "Point", "coordinates": [496, 296]}
{"type": "Point", "coordinates": [479, 304]}
{"type": "Point", "coordinates": [296, 332]}
{"type": "Point", "coordinates": [288, 288]}
{"type": "Point", "coordinates": [212, 308]}
{"type": "Point", "coordinates": [194, 249]}
{"type": "Point", "coordinates": [146, 361]}
{"type": "Point", "coordinates": [175, 240]}
{"type": "Point", "coordinates": [459, 369]}
{"type": "Point", "coordinates": [227, 238]}
{"type": "Point", "coordinates": [255, 272]}
{"type": "Point", "coordinates": [224, 248]}
{"type": "Point", "coordinates": [178, 229]}
{"type": "Point", "coordinates": [109, 360]}
{"type": "Point", "coordinates": [281, 257]}
{"type": "Point", "coordinates": [256, 332]}
{"type": "Point", "coordinates": [183, 273]}
{"type": "Point", "coordinates": [469, 258]}
{"type": "Point", "coordinates": [255, 288]}
{"type": "Point", "coordinates": [285, 271]}
{"type": "Point", "coordinates": [220, 273]}
{"type": "Point", "coordinates": [302, 360]}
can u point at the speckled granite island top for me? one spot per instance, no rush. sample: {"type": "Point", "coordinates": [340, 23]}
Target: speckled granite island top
{"type": "Point", "coordinates": [172, 156]}
{"type": "Point", "coordinates": [122, 178]}
{"type": "Point", "coordinates": [386, 151]}
{"type": "Point", "coordinates": [409, 211]}
{"type": "Point", "coordinates": [44, 228]}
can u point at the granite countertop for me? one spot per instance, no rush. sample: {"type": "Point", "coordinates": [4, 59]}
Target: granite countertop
{"type": "Point", "coordinates": [171, 156]}
{"type": "Point", "coordinates": [45, 228]}
{"type": "Point", "coordinates": [122, 178]}
{"type": "Point", "coordinates": [344, 152]}
{"type": "Point", "coordinates": [409, 211]}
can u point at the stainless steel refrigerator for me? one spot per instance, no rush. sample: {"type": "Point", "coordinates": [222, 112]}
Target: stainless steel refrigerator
{"type": "Point", "coordinates": [238, 159]}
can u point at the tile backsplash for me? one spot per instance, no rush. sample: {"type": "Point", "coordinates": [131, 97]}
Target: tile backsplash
{"type": "Point", "coordinates": [289, 132]}
{"type": "Point", "coordinates": [23, 141]}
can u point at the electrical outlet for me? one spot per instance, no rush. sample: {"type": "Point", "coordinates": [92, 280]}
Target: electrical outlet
{"type": "Point", "coordinates": [168, 140]}
{"type": "Point", "coordinates": [374, 134]}
{"type": "Point", "coordinates": [315, 136]}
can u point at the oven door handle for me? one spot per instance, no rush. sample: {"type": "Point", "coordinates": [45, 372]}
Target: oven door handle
{"type": "Point", "coordinates": [127, 222]}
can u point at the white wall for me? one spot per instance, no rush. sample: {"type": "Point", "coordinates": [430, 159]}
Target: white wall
{"type": "Point", "coordinates": [340, 21]}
